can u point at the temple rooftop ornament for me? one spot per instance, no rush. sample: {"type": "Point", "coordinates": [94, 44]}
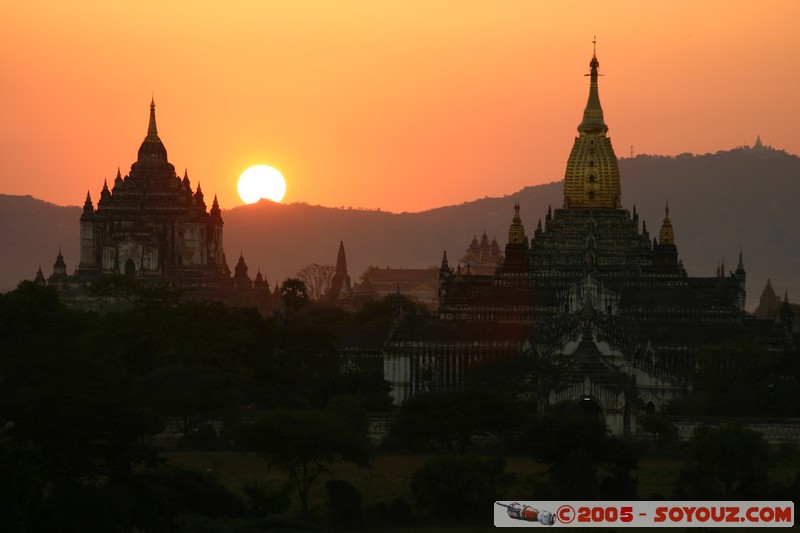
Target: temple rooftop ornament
{"type": "Point", "coordinates": [152, 149]}
{"type": "Point", "coordinates": [592, 176]}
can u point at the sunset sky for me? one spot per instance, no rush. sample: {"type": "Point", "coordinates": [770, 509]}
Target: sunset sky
{"type": "Point", "coordinates": [402, 106]}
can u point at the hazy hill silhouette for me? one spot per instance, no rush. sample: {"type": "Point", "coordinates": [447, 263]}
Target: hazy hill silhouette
{"type": "Point", "coordinates": [719, 203]}
{"type": "Point", "coordinates": [31, 233]}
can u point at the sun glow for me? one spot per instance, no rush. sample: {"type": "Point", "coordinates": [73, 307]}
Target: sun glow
{"type": "Point", "coordinates": [261, 181]}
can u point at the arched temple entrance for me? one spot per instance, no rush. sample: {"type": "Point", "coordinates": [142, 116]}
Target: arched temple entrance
{"type": "Point", "coordinates": [591, 409]}
{"type": "Point", "coordinates": [130, 268]}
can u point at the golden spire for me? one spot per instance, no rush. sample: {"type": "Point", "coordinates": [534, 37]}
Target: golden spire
{"type": "Point", "coordinates": [592, 176]}
{"type": "Point", "coordinates": [516, 231]}
{"type": "Point", "coordinates": [152, 130]}
{"type": "Point", "coordinates": [666, 234]}
{"type": "Point", "coordinates": [593, 114]}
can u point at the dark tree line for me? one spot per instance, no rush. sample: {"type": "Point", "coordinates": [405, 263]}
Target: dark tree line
{"type": "Point", "coordinates": [81, 395]}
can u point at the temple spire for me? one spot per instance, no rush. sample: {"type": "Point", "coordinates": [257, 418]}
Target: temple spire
{"type": "Point", "coordinates": [215, 211]}
{"type": "Point", "coordinates": [516, 231]}
{"type": "Point", "coordinates": [341, 259]}
{"type": "Point", "coordinates": [340, 282]}
{"type": "Point", "coordinates": [88, 207]}
{"type": "Point", "coordinates": [444, 266]}
{"type": "Point", "coordinates": [666, 235]}
{"type": "Point", "coordinates": [152, 130]}
{"type": "Point", "coordinates": [592, 177]}
{"type": "Point", "coordinates": [593, 114]}
{"type": "Point", "coordinates": [152, 149]}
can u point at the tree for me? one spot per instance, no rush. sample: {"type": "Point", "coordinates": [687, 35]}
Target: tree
{"type": "Point", "coordinates": [459, 487]}
{"type": "Point", "coordinates": [294, 294]}
{"type": "Point", "coordinates": [304, 444]}
{"type": "Point", "coordinates": [208, 334]}
{"type": "Point", "coordinates": [23, 484]}
{"type": "Point", "coordinates": [384, 311]}
{"type": "Point", "coordinates": [129, 289]}
{"type": "Point", "coordinates": [664, 430]}
{"type": "Point", "coordinates": [317, 279]}
{"type": "Point", "coordinates": [450, 419]}
{"type": "Point", "coordinates": [367, 385]}
{"type": "Point", "coordinates": [343, 503]}
{"type": "Point", "coordinates": [524, 380]}
{"type": "Point", "coordinates": [727, 463]}
{"type": "Point", "coordinates": [585, 462]}
{"type": "Point", "coordinates": [295, 365]}
{"type": "Point", "coordinates": [190, 395]}
{"type": "Point", "coordinates": [163, 494]}
{"type": "Point", "coordinates": [75, 409]}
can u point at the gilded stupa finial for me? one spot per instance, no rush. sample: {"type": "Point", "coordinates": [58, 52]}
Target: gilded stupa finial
{"type": "Point", "coordinates": [593, 114]}
{"type": "Point", "coordinates": [152, 130]}
{"type": "Point", "coordinates": [516, 231]}
{"type": "Point", "coordinates": [592, 175]}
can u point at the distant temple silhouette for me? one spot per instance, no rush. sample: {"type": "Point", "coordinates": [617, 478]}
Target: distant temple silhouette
{"type": "Point", "coordinates": [420, 285]}
{"type": "Point", "coordinates": [150, 225]}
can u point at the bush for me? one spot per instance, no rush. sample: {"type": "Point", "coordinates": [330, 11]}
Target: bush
{"type": "Point", "coordinates": [725, 463]}
{"type": "Point", "coordinates": [467, 484]}
{"type": "Point", "coordinates": [663, 429]}
{"type": "Point", "coordinates": [163, 495]}
{"type": "Point", "coordinates": [263, 501]}
{"type": "Point", "coordinates": [344, 504]}
{"type": "Point", "coordinates": [585, 462]}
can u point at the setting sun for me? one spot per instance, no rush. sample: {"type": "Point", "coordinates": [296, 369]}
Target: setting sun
{"type": "Point", "coordinates": [261, 181]}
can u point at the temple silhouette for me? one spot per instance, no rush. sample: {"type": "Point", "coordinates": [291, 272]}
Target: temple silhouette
{"type": "Point", "coordinates": [152, 226]}
{"type": "Point", "coordinates": [589, 290]}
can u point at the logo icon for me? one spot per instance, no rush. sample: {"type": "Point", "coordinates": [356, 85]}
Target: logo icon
{"type": "Point", "coordinates": [529, 514]}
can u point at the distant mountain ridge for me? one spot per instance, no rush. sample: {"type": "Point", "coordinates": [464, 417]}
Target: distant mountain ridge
{"type": "Point", "coordinates": [742, 199]}
{"type": "Point", "coordinates": [31, 234]}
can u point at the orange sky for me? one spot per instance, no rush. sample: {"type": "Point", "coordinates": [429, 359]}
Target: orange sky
{"type": "Point", "coordinates": [402, 106]}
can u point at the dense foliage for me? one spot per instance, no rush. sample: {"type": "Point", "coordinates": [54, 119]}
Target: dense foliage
{"type": "Point", "coordinates": [82, 394]}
